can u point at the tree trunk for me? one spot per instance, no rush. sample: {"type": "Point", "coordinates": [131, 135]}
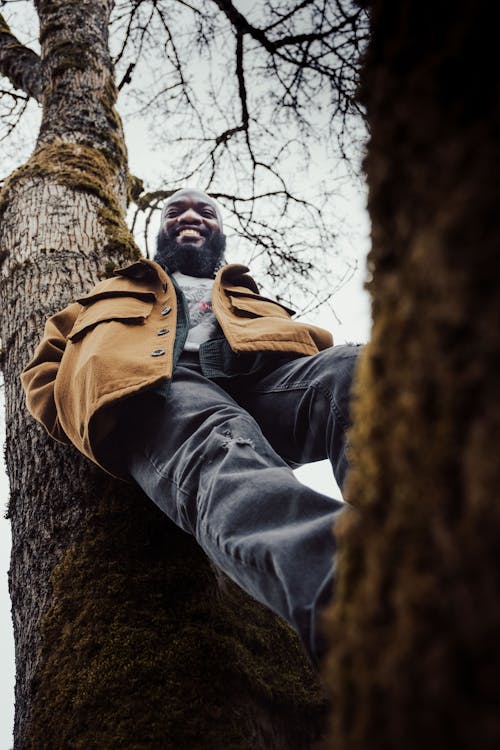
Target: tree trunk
{"type": "Point", "coordinates": [124, 637]}
{"type": "Point", "coordinates": [415, 628]}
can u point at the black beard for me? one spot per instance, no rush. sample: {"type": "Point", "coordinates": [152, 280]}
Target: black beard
{"type": "Point", "coordinates": [192, 260]}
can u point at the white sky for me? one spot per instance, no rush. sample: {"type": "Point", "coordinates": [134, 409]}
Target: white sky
{"type": "Point", "coordinates": [349, 321]}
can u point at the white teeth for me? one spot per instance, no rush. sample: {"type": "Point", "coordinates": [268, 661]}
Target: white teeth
{"type": "Point", "coordinates": [189, 233]}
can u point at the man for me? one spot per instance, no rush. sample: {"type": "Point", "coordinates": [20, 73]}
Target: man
{"type": "Point", "coordinates": [206, 393]}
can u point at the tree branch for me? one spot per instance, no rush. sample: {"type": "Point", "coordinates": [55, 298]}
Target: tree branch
{"type": "Point", "coordinates": [286, 16]}
{"type": "Point", "coordinates": [239, 21]}
{"type": "Point", "coordinates": [19, 63]}
{"type": "Point", "coordinates": [240, 74]}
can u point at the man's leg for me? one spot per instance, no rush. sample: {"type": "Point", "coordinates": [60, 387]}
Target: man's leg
{"type": "Point", "coordinates": [302, 406]}
{"type": "Point", "coordinates": [204, 461]}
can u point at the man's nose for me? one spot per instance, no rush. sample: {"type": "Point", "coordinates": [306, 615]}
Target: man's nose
{"type": "Point", "coordinates": [190, 216]}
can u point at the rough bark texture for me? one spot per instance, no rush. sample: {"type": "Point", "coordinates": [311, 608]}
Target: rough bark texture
{"type": "Point", "coordinates": [415, 656]}
{"type": "Point", "coordinates": [125, 637]}
{"type": "Point", "coordinates": [19, 63]}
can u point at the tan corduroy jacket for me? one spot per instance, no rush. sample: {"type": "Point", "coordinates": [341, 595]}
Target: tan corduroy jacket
{"type": "Point", "coordinates": [118, 340]}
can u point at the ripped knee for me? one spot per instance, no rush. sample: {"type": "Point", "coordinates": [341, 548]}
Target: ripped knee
{"type": "Point", "coordinates": [229, 438]}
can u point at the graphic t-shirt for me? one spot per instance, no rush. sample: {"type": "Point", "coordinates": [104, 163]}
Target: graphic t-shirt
{"type": "Point", "coordinates": [202, 321]}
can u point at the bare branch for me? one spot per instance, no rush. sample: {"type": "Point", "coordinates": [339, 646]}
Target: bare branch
{"type": "Point", "coordinates": [282, 18]}
{"type": "Point", "coordinates": [19, 63]}
{"type": "Point", "coordinates": [127, 76]}
{"type": "Point", "coordinates": [244, 97]}
{"type": "Point", "coordinates": [239, 21]}
{"type": "Point", "coordinates": [10, 114]}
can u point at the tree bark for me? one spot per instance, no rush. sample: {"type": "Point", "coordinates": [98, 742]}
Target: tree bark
{"type": "Point", "coordinates": [415, 649]}
{"type": "Point", "coordinates": [19, 63]}
{"type": "Point", "coordinates": [125, 637]}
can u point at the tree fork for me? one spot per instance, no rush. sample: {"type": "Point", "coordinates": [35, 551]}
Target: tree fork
{"type": "Point", "coordinates": [18, 63]}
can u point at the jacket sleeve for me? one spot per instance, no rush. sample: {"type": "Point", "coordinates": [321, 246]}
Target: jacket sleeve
{"type": "Point", "coordinates": [39, 376]}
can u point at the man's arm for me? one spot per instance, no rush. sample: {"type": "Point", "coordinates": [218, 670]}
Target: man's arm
{"type": "Point", "coordinates": [39, 376]}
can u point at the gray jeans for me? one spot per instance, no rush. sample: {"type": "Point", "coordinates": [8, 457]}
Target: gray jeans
{"type": "Point", "coordinates": [216, 457]}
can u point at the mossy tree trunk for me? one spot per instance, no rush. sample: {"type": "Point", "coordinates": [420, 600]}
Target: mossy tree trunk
{"type": "Point", "coordinates": [415, 629]}
{"type": "Point", "coordinates": [124, 638]}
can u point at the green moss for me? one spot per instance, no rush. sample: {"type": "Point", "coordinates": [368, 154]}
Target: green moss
{"type": "Point", "coordinates": [119, 238]}
{"type": "Point", "coordinates": [135, 188]}
{"type": "Point", "coordinates": [110, 268]}
{"type": "Point", "coordinates": [84, 169]}
{"type": "Point", "coordinates": [74, 165]}
{"type": "Point", "coordinates": [144, 201]}
{"type": "Point", "coordinates": [142, 651]}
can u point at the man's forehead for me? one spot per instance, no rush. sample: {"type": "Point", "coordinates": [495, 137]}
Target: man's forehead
{"type": "Point", "coordinates": [198, 196]}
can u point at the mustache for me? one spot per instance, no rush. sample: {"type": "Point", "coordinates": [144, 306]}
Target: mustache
{"type": "Point", "coordinates": [202, 232]}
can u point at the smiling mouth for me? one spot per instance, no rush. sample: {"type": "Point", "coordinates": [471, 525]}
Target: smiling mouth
{"type": "Point", "coordinates": [193, 233]}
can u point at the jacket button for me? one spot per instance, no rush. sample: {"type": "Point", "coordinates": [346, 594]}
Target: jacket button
{"type": "Point", "coordinates": [162, 331]}
{"type": "Point", "coordinates": [166, 310]}
{"type": "Point", "coordinates": [157, 352]}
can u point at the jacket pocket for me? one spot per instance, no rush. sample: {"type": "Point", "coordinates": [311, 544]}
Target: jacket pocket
{"type": "Point", "coordinates": [125, 309]}
{"type": "Point", "coordinates": [255, 306]}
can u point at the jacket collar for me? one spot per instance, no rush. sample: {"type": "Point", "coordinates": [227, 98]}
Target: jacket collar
{"type": "Point", "coordinates": [237, 275]}
{"type": "Point", "coordinates": [141, 269]}
{"type": "Point", "coordinates": [234, 273]}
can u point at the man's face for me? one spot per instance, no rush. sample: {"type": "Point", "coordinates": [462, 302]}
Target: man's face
{"type": "Point", "coordinates": [190, 238]}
